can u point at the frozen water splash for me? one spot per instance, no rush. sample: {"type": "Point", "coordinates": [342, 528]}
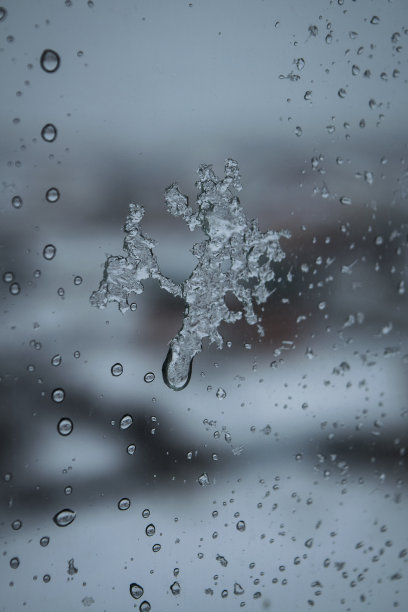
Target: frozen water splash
{"type": "Point", "coordinates": [235, 258]}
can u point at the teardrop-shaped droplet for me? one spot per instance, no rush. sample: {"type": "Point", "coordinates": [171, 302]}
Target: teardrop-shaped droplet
{"type": "Point", "coordinates": [56, 361]}
{"type": "Point", "coordinates": [49, 252]}
{"type": "Point", "coordinates": [52, 195]}
{"type": "Point", "coordinates": [136, 590]}
{"type": "Point", "coordinates": [50, 60]}
{"type": "Point", "coordinates": [177, 368]}
{"type": "Point", "coordinates": [65, 427]}
{"type": "Point", "coordinates": [175, 588]}
{"type": "Point", "coordinates": [64, 517]}
{"type": "Point", "coordinates": [49, 132]}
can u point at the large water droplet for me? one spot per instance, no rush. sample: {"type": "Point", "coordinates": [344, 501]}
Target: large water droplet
{"type": "Point", "coordinates": [150, 530]}
{"type": "Point", "coordinates": [49, 132]}
{"type": "Point", "coordinates": [64, 517]}
{"type": "Point", "coordinates": [117, 369]}
{"type": "Point", "coordinates": [375, 20]}
{"type": "Point", "coordinates": [136, 590]}
{"type": "Point", "coordinates": [124, 503]}
{"type": "Point", "coordinates": [58, 395]}
{"type": "Point", "coordinates": [77, 280]}
{"type": "Point", "coordinates": [146, 513]}
{"type": "Point", "coordinates": [309, 543]}
{"type": "Point", "coordinates": [175, 588]}
{"type": "Point", "coordinates": [65, 427]}
{"type": "Point", "coordinates": [50, 60]}
{"type": "Point", "coordinates": [177, 368]}
{"type": "Point", "coordinates": [52, 195]}
{"type": "Point", "coordinates": [49, 252]}
{"type": "Point", "coordinates": [126, 421]}
{"type": "Point", "coordinates": [238, 590]}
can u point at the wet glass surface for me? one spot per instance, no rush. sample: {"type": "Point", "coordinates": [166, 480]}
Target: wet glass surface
{"type": "Point", "coordinates": [276, 479]}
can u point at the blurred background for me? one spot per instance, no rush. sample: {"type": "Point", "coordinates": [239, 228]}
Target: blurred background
{"type": "Point", "coordinates": [277, 478]}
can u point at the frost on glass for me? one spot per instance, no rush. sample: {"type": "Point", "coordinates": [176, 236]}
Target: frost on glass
{"type": "Point", "coordinates": [236, 257]}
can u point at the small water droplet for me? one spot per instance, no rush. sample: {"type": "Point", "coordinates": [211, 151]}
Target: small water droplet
{"type": "Point", "coordinates": [309, 543]}
{"type": "Point", "coordinates": [149, 377]}
{"type": "Point", "coordinates": [156, 547]}
{"type": "Point", "coordinates": [3, 13]}
{"type": "Point", "coordinates": [8, 277]}
{"type": "Point", "coordinates": [300, 63]}
{"type": "Point", "coordinates": [117, 369]}
{"type": "Point", "coordinates": [44, 541]}
{"type": "Point", "coordinates": [126, 421]}
{"type": "Point", "coordinates": [52, 195]}
{"type": "Point", "coordinates": [65, 426]}
{"type": "Point", "coordinates": [77, 280]}
{"type": "Point", "coordinates": [14, 562]}
{"type": "Point", "coordinates": [221, 393]}
{"type": "Point", "coordinates": [77, 354]}
{"type": "Point", "coordinates": [49, 132]}
{"type": "Point", "coordinates": [146, 513]}
{"type": "Point", "coordinates": [16, 524]}
{"type": "Point", "coordinates": [65, 517]}
{"type": "Point", "coordinates": [145, 606]}
{"type": "Point", "coordinates": [133, 306]}
{"type": "Point", "coordinates": [131, 449]}
{"type": "Point", "coordinates": [46, 578]}
{"type": "Point", "coordinates": [58, 395]}
{"type": "Point", "coordinates": [355, 70]}
{"type": "Point", "coordinates": [150, 530]}
{"type": "Point", "coordinates": [308, 95]}
{"type": "Point", "coordinates": [241, 526]}
{"type": "Point", "coordinates": [68, 490]}
{"type": "Point", "coordinates": [14, 288]}
{"type": "Point", "coordinates": [298, 131]}
{"type": "Point", "coordinates": [49, 252]}
{"type": "Point", "coordinates": [175, 588]}
{"type": "Point", "coordinates": [345, 200]}
{"type": "Point", "coordinates": [56, 361]}
{"type": "Point", "coordinates": [16, 201]}
{"type": "Point", "coordinates": [61, 291]}
{"type": "Point", "coordinates": [124, 503]}
{"type": "Point", "coordinates": [136, 590]}
{"type": "Point", "coordinates": [342, 92]}
{"type": "Point", "coordinates": [375, 20]}
{"type": "Point", "coordinates": [49, 60]}
{"type": "Point", "coordinates": [203, 479]}
{"type": "Point", "coordinates": [238, 590]}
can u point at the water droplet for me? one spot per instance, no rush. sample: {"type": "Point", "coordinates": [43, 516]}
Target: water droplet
{"type": "Point", "coordinates": [133, 306]}
{"type": "Point", "coordinates": [64, 517]}
{"type": "Point", "coordinates": [65, 426]}
{"type": "Point", "coordinates": [149, 377]}
{"type": "Point", "coordinates": [203, 479]}
{"type": "Point", "coordinates": [379, 240]}
{"type": "Point", "coordinates": [309, 543]}
{"type": "Point", "coordinates": [46, 578]}
{"type": "Point", "coordinates": [117, 369]}
{"type": "Point", "coordinates": [8, 277]}
{"type": "Point", "coordinates": [238, 590]}
{"type": "Point", "coordinates": [136, 590]}
{"type": "Point", "coordinates": [375, 20]}
{"type": "Point", "coordinates": [50, 60]}
{"type": "Point", "coordinates": [49, 132]}
{"type": "Point", "coordinates": [298, 131]}
{"type": "Point", "coordinates": [156, 547]}
{"type": "Point", "coordinates": [314, 30]}
{"type": "Point", "coordinates": [77, 354]}
{"type": "Point", "coordinates": [308, 95]}
{"type": "Point", "coordinates": [150, 530]}
{"type": "Point", "coordinates": [61, 291]}
{"type": "Point", "coordinates": [131, 449]}
{"type": "Point", "coordinates": [16, 524]}
{"type": "Point", "coordinates": [221, 393]}
{"type": "Point", "coordinates": [44, 541]}
{"type": "Point", "coordinates": [346, 201]}
{"type": "Point", "coordinates": [124, 503]}
{"type": "Point", "coordinates": [68, 490]}
{"type": "Point", "coordinates": [49, 252]}
{"type": "Point", "coordinates": [355, 70]}
{"type": "Point", "coordinates": [56, 361]}
{"type": "Point", "coordinates": [241, 526]}
{"type": "Point", "coordinates": [126, 421]}
{"type": "Point", "coordinates": [177, 368]}
{"type": "Point", "coordinates": [146, 513]}
{"type": "Point", "coordinates": [342, 92]}
{"type": "Point", "coordinates": [321, 305]}
{"type": "Point", "coordinates": [368, 177]}
{"type": "Point", "coordinates": [329, 39]}
{"type": "Point", "coordinates": [77, 280]}
{"type": "Point", "coordinates": [14, 562]}
{"type": "Point", "coordinates": [145, 606]}
{"type": "Point", "coordinates": [175, 588]}
{"type": "Point", "coordinates": [17, 202]}
{"type": "Point", "coordinates": [52, 195]}
{"type": "Point", "coordinates": [58, 395]}
{"type": "Point", "coordinates": [300, 63]}
{"type": "Point", "coordinates": [3, 13]}
{"type": "Point", "coordinates": [14, 288]}
{"type": "Point", "coordinates": [37, 273]}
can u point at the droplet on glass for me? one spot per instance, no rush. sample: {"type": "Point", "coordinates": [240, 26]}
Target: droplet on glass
{"type": "Point", "coordinates": [131, 449]}
{"type": "Point", "coordinates": [298, 131]}
{"type": "Point", "coordinates": [346, 201]}
{"type": "Point", "coordinates": [156, 547]}
{"type": "Point", "coordinates": [126, 421]}
{"type": "Point", "coordinates": [146, 513]}
{"type": "Point", "coordinates": [149, 377]}
{"type": "Point", "coordinates": [44, 541]}
{"type": "Point", "coordinates": [50, 60]}
{"type": "Point", "coordinates": [64, 517]}
{"type": "Point", "coordinates": [175, 588]}
{"type": "Point", "coordinates": [49, 252]}
{"type": "Point", "coordinates": [49, 132]}
{"type": "Point", "coordinates": [65, 426]}
{"type": "Point", "coordinates": [342, 92]}
{"type": "Point", "coordinates": [52, 195]}
{"type": "Point", "coordinates": [136, 590]}
{"type": "Point", "coordinates": [145, 606]}
{"type": "Point", "coordinates": [16, 524]}
{"type": "Point", "coordinates": [58, 395]}
{"type": "Point", "coordinates": [8, 277]}
{"type": "Point", "coordinates": [68, 490]}
{"type": "Point", "coordinates": [309, 543]}
{"type": "Point", "coordinates": [124, 503]}
{"type": "Point", "coordinates": [221, 393]}
{"type": "Point", "coordinates": [308, 95]}
{"type": "Point", "coordinates": [14, 562]}
{"type": "Point", "coordinates": [77, 354]}
{"type": "Point", "coordinates": [203, 479]}
{"type": "Point", "coordinates": [117, 369]}
{"type": "Point", "coordinates": [300, 63]}
{"type": "Point", "coordinates": [37, 273]}
{"type": "Point", "coordinates": [355, 70]}
{"type": "Point", "coordinates": [133, 306]}
{"type": "Point", "coordinates": [16, 201]}
{"type": "Point", "coordinates": [238, 590]}
{"type": "Point", "coordinates": [14, 288]}
{"type": "Point", "coordinates": [150, 530]}
{"type": "Point", "coordinates": [46, 578]}
{"type": "Point", "coordinates": [56, 360]}
{"type": "Point", "coordinates": [375, 20]}
{"type": "Point", "coordinates": [3, 13]}
{"type": "Point", "coordinates": [241, 526]}
{"type": "Point", "coordinates": [61, 291]}
{"type": "Point", "coordinates": [77, 280]}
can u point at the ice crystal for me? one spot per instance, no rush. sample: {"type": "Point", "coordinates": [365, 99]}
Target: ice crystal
{"type": "Point", "coordinates": [235, 258]}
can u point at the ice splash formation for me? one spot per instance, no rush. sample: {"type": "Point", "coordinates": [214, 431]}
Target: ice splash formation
{"type": "Point", "coordinates": [235, 257]}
